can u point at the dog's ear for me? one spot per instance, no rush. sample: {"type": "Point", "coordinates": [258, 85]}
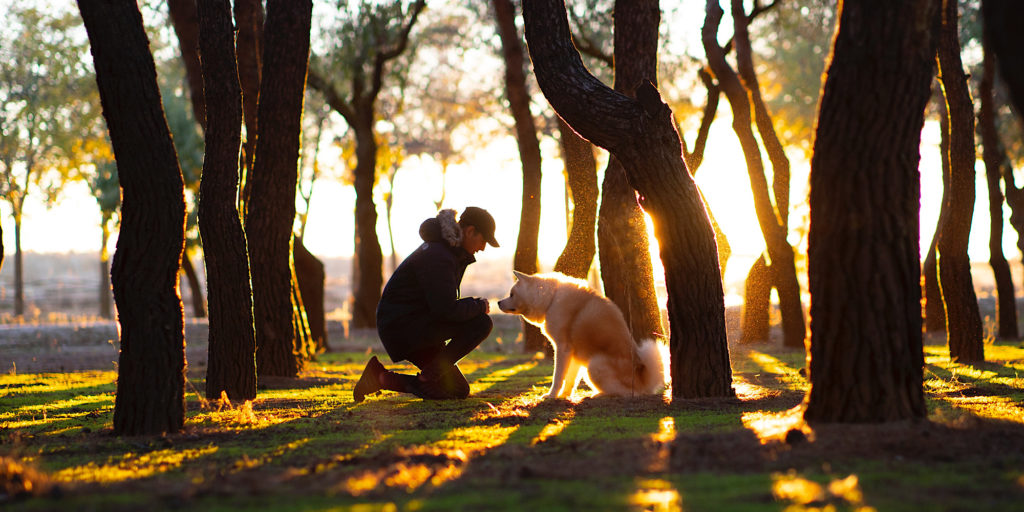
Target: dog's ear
{"type": "Point", "coordinates": [519, 275]}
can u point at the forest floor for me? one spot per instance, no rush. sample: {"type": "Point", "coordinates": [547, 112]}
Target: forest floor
{"type": "Point", "coordinates": [303, 444]}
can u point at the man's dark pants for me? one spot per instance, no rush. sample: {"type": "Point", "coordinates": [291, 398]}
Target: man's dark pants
{"type": "Point", "coordinates": [434, 354]}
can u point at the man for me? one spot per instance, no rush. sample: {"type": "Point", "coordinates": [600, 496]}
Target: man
{"type": "Point", "coordinates": [420, 310]}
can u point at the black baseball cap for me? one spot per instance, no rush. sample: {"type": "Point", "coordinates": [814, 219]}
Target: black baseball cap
{"type": "Point", "coordinates": [481, 220]}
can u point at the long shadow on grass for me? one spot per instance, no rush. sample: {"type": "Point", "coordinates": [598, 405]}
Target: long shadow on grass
{"type": "Point", "coordinates": [386, 442]}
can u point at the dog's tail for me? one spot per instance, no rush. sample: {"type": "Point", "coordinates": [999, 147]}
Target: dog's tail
{"type": "Point", "coordinates": [654, 356]}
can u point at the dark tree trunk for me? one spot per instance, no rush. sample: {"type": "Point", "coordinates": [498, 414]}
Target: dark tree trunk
{"type": "Point", "coordinates": [185, 18]}
{"type": "Point", "coordinates": [231, 366]}
{"type": "Point", "coordinates": [963, 321]}
{"type": "Point", "coordinates": [992, 153]}
{"type": "Point", "coordinates": [627, 272]}
{"type": "Point", "coordinates": [271, 203]}
{"type": "Point", "coordinates": [757, 294]}
{"type": "Point", "coordinates": [311, 278]}
{"type": "Point", "coordinates": [581, 169]}
{"type": "Point", "coordinates": [866, 358]}
{"type": "Point", "coordinates": [249, 51]}
{"type": "Point", "coordinates": [624, 249]}
{"type": "Point", "coordinates": [105, 297]}
{"type": "Point", "coordinates": [770, 217]}
{"type": "Point", "coordinates": [1003, 20]}
{"type": "Point", "coordinates": [198, 302]}
{"type": "Point", "coordinates": [641, 134]}
{"type": "Point", "coordinates": [305, 345]}
{"type": "Point", "coordinates": [525, 258]}
{"type": "Point", "coordinates": [19, 270]}
{"type": "Point", "coordinates": [367, 266]}
{"type": "Point", "coordinates": [151, 367]}
{"type": "Point", "coordinates": [934, 309]}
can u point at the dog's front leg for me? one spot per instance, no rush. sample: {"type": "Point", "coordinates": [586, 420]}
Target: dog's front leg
{"type": "Point", "coordinates": [572, 377]}
{"type": "Point", "coordinates": [563, 356]}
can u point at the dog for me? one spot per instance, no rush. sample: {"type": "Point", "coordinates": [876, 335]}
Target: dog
{"type": "Point", "coordinates": [589, 335]}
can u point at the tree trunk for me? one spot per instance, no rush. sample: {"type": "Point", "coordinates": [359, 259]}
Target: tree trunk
{"type": "Point", "coordinates": [581, 169]}
{"type": "Point", "coordinates": [305, 345]}
{"type": "Point", "coordinates": [19, 270]}
{"type": "Point", "coordinates": [963, 321]}
{"type": "Point", "coordinates": [271, 204]}
{"type": "Point", "coordinates": [150, 383]}
{"type": "Point", "coordinates": [624, 249]}
{"type": "Point", "coordinates": [641, 134]}
{"type": "Point", "coordinates": [757, 294]}
{"type": "Point", "coordinates": [198, 303]}
{"type": "Point", "coordinates": [1002, 19]}
{"type": "Point", "coordinates": [791, 305]}
{"type": "Point", "coordinates": [185, 19]}
{"type": "Point", "coordinates": [231, 366]}
{"type": "Point", "coordinates": [249, 51]}
{"type": "Point", "coordinates": [367, 277]}
{"type": "Point", "coordinates": [992, 153]}
{"type": "Point", "coordinates": [105, 297]}
{"type": "Point", "coordinates": [525, 258]}
{"type": "Point", "coordinates": [311, 279]}
{"type": "Point", "coordinates": [866, 358]}
{"type": "Point", "coordinates": [934, 309]}
{"type": "Point", "coordinates": [770, 217]}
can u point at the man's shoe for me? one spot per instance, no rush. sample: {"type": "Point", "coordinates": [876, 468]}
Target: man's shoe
{"type": "Point", "coordinates": [369, 382]}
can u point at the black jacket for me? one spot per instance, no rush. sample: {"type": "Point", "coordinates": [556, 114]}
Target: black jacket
{"type": "Point", "coordinates": [425, 288]}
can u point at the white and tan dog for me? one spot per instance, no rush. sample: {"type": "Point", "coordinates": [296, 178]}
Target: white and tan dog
{"type": "Point", "coordinates": [589, 334]}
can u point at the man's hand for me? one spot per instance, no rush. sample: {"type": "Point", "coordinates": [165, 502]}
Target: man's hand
{"type": "Point", "coordinates": [487, 305]}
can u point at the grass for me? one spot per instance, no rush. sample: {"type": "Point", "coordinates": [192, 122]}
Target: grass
{"type": "Point", "coordinates": [304, 445]}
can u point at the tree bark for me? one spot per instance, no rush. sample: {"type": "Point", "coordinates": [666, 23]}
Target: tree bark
{"type": "Point", "coordinates": [581, 169]}
{"type": "Point", "coordinates": [150, 384]}
{"type": "Point", "coordinates": [641, 134]}
{"type": "Point", "coordinates": [992, 153]}
{"type": "Point", "coordinates": [757, 294]}
{"type": "Point", "coordinates": [311, 279]}
{"type": "Point", "coordinates": [770, 217]}
{"type": "Point", "coordinates": [231, 366]}
{"type": "Point", "coordinates": [249, 52]}
{"type": "Point", "coordinates": [367, 277]}
{"type": "Point", "coordinates": [866, 358]}
{"type": "Point", "coordinates": [185, 18]}
{"type": "Point", "coordinates": [525, 258]}
{"type": "Point", "coordinates": [626, 268]}
{"type": "Point", "coordinates": [934, 309]}
{"type": "Point", "coordinates": [19, 270]}
{"type": "Point", "coordinates": [105, 297]}
{"type": "Point", "coordinates": [1003, 19]}
{"type": "Point", "coordinates": [271, 204]}
{"type": "Point", "coordinates": [963, 321]}
{"type": "Point", "coordinates": [198, 302]}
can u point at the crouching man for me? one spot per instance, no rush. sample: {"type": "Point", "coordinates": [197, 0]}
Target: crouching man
{"type": "Point", "coordinates": [421, 317]}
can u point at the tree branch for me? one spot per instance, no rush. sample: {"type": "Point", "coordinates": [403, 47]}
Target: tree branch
{"type": "Point", "coordinates": [403, 42]}
{"type": "Point", "coordinates": [315, 80]}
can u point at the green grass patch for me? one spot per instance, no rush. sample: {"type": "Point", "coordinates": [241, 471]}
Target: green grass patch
{"type": "Point", "coordinates": [302, 444]}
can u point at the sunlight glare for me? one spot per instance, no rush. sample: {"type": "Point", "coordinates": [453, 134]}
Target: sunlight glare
{"type": "Point", "coordinates": [773, 426]}
{"type": "Point", "coordinates": [656, 495]}
{"type": "Point", "coordinates": [132, 466]}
